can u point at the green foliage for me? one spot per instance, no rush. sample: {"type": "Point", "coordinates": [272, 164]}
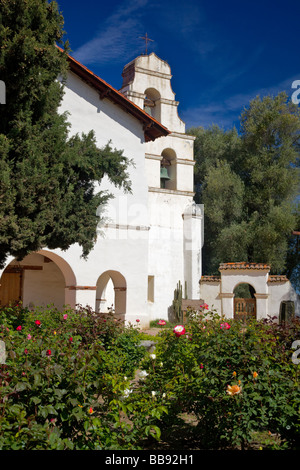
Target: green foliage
{"type": "Point", "coordinates": [293, 256]}
{"type": "Point", "coordinates": [243, 291]}
{"type": "Point", "coordinates": [248, 182]}
{"type": "Point", "coordinates": [63, 385]}
{"type": "Point", "coordinates": [82, 382]}
{"type": "Point", "coordinates": [48, 178]}
{"type": "Point", "coordinates": [193, 373]}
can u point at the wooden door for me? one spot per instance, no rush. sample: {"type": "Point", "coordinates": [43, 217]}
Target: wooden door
{"type": "Point", "coordinates": [244, 308]}
{"type": "Point", "coordinates": [10, 288]}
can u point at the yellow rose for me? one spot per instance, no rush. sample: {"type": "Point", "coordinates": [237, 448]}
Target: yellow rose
{"type": "Point", "coordinates": [233, 389]}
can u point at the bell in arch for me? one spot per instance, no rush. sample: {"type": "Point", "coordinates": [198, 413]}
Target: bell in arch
{"type": "Point", "coordinates": [164, 176]}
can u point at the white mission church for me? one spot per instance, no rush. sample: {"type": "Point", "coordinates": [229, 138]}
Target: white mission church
{"type": "Point", "coordinates": [151, 238]}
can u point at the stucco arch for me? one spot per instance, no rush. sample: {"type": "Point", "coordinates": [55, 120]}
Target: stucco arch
{"type": "Point", "coordinates": [45, 278]}
{"type": "Point", "coordinates": [63, 265]}
{"type": "Point", "coordinates": [243, 283]}
{"type": "Point", "coordinates": [120, 288]}
{"type": "Point", "coordinates": [255, 274]}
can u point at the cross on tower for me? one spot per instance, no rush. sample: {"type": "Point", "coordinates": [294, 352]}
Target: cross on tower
{"type": "Point", "coordinates": [146, 39]}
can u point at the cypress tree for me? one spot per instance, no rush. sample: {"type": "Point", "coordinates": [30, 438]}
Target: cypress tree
{"type": "Point", "coordinates": [47, 178]}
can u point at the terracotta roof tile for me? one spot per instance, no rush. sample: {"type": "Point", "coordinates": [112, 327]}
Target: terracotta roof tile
{"type": "Point", "coordinates": [277, 278]}
{"type": "Point", "coordinates": [243, 265]}
{"type": "Point", "coordinates": [210, 279]}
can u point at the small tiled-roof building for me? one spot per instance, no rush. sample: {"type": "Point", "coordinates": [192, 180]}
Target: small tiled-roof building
{"type": "Point", "coordinates": [269, 290]}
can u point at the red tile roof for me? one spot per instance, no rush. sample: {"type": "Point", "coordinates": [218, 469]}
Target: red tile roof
{"type": "Point", "coordinates": [152, 128]}
{"type": "Point", "coordinates": [277, 278]}
{"type": "Point", "coordinates": [244, 265]}
{"type": "Point", "coordinates": [210, 279]}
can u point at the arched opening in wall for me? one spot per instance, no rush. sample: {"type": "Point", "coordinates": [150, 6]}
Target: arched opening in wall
{"type": "Point", "coordinates": [152, 103]}
{"type": "Point", "coordinates": [168, 172]}
{"type": "Point", "coordinates": [244, 301]}
{"type": "Point", "coordinates": [111, 294]}
{"type": "Point", "coordinates": [40, 279]}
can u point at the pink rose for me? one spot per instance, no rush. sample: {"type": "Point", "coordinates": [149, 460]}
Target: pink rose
{"type": "Point", "coordinates": [179, 330]}
{"type": "Point", "coordinates": [225, 326]}
{"type": "Point", "coordinates": [19, 328]}
{"type": "Point", "coordinates": [204, 306]}
{"type": "Point", "coordinates": [161, 322]}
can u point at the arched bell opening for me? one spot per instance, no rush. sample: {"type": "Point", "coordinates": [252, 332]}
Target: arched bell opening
{"type": "Point", "coordinates": [152, 103]}
{"type": "Point", "coordinates": [168, 173]}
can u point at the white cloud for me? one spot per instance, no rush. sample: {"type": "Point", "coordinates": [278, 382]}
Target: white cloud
{"type": "Point", "coordinates": [117, 38]}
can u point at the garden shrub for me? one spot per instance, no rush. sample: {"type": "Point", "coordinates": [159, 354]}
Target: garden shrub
{"type": "Point", "coordinates": [73, 380]}
{"type": "Point", "coordinates": [237, 378]}
{"type": "Point", "coordinates": [64, 382]}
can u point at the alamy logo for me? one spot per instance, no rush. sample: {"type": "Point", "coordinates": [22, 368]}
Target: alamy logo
{"type": "Point", "coordinates": [296, 94]}
{"type": "Point", "coordinates": [2, 92]}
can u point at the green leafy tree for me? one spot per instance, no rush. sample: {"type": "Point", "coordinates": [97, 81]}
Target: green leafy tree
{"type": "Point", "coordinates": [293, 255]}
{"type": "Point", "coordinates": [48, 179]}
{"type": "Point", "coordinates": [248, 182]}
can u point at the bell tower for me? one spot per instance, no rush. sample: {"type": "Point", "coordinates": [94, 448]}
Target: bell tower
{"type": "Point", "coordinates": [147, 82]}
{"type": "Point", "coordinates": [175, 240]}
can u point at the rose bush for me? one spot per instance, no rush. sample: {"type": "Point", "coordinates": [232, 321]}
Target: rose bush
{"type": "Point", "coordinates": [63, 383]}
{"type": "Point", "coordinates": [237, 379]}
{"type": "Point", "coordinates": [73, 380]}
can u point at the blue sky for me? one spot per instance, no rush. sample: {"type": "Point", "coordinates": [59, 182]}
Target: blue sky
{"type": "Point", "coordinates": [222, 54]}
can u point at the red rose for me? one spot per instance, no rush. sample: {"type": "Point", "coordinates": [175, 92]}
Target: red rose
{"type": "Point", "coordinates": [19, 328]}
{"type": "Point", "coordinates": [179, 330]}
{"type": "Point", "coordinates": [205, 306]}
{"type": "Point", "coordinates": [48, 352]}
{"type": "Point", "coordinates": [37, 322]}
{"type": "Point", "coordinates": [71, 339]}
{"type": "Point", "coordinates": [225, 326]}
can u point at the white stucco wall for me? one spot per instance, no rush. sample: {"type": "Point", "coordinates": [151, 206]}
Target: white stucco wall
{"type": "Point", "coordinates": [143, 232]}
{"type": "Point", "coordinates": [210, 293]}
{"type": "Point", "coordinates": [42, 287]}
{"type": "Point", "coordinates": [280, 292]}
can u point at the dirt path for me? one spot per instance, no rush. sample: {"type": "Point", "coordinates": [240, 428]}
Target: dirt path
{"type": "Point", "coordinates": [151, 331]}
